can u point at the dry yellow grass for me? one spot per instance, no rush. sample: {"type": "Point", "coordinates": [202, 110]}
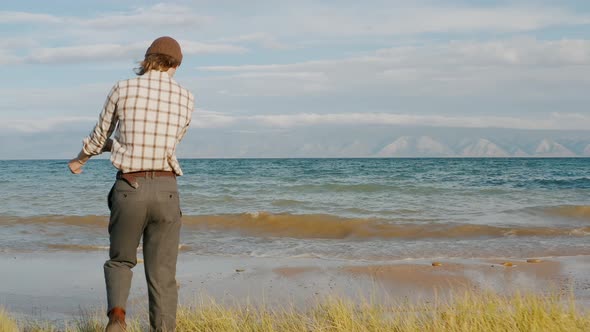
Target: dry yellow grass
{"type": "Point", "coordinates": [481, 312]}
{"type": "Point", "coordinates": [7, 324]}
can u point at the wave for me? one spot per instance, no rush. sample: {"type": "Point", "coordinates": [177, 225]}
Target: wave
{"type": "Point", "coordinates": [88, 221]}
{"type": "Point", "coordinates": [287, 202]}
{"type": "Point", "coordinates": [342, 187]}
{"type": "Point", "coordinates": [569, 211]}
{"type": "Point", "coordinates": [76, 247]}
{"type": "Point", "coordinates": [323, 226]}
{"type": "Point", "coordinates": [573, 183]}
{"type": "Point", "coordinates": [84, 247]}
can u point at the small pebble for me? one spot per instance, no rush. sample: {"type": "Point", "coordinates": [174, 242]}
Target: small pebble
{"type": "Point", "coordinates": [240, 270]}
{"type": "Point", "coordinates": [436, 264]}
{"type": "Point", "coordinates": [533, 260]}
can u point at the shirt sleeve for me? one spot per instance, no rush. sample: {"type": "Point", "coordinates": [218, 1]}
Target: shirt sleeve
{"type": "Point", "coordinates": [95, 142]}
{"type": "Point", "coordinates": [188, 119]}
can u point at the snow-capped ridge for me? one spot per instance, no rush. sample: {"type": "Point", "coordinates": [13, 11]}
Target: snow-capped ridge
{"type": "Point", "coordinates": [410, 146]}
{"type": "Point", "coordinates": [549, 148]}
{"type": "Point", "coordinates": [483, 148]}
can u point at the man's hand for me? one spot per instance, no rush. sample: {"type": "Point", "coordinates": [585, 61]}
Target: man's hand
{"type": "Point", "coordinates": [75, 166]}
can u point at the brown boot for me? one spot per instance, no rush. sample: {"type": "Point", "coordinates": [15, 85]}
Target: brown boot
{"type": "Point", "coordinates": [116, 320]}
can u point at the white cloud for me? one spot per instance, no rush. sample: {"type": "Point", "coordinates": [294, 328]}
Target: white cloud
{"type": "Point", "coordinates": [514, 51]}
{"type": "Point", "coordinates": [266, 40]}
{"type": "Point", "coordinates": [269, 84]}
{"type": "Point", "coordinates": [9, 59]}
{"type": "Point", "coordinates": [518, 68]}
{"type": "Point", "coordinates": [288, 75]}
{"type": "Point", "coordinates": [417, 20]}
{"type": "Point", "coordinates": [396, 18]}
{"type": "Point", "coordinates": [209, 119]}
{"type": "Point", "coordinates": [300, 23]}
{"type": "Point", "coordinates": [111, 52]}
{"type": "Point", "coordinates": [44, 124]}
{"type": "Point", "coordinates": [192, 47]}
{"type": "Point", "coordinates": [14, 17]}
{"type": "Point", "coordinates": [39, 102]}
{"type": "Point", "coordinates": [159, 15]}
{"type": "Point", "coordinates": [68, 54]}
{"type": "Point", "coordinates": [558, 116]}
{"type": "Point", "coordinates": [16, 43]}
{"type": "Point", "coordinates": [315, 19]}
{"type": "Point", "coordinates": [556, 120]}
{"type": "Point", "coordinates": [525, 51]}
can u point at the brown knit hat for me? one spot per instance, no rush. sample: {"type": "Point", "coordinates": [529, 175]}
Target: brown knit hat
{"type": "Point", "coordinates": [165, 45]}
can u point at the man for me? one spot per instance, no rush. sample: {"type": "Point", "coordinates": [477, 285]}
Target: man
{"type": "Point", "coordinates": [151, 114]}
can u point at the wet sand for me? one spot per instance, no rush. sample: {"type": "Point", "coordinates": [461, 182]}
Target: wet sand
{"type": "Point", "coordinates": [59, 285]}
{"type": "Point", "coordinates": [423, 281]}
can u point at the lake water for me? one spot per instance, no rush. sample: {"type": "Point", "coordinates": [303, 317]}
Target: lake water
{"type": "Point", "coordinates": [349, 209]}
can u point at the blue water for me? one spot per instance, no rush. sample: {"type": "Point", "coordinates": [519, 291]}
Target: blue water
{"type": "Point", "coordinates": [510, 195]}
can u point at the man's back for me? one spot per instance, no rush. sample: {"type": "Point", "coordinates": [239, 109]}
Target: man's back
{"type": "Point", "coordinates": [153, 111]}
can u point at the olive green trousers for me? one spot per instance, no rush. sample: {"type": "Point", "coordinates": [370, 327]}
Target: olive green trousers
{"type": "Point", "coordinates": [151, 211]}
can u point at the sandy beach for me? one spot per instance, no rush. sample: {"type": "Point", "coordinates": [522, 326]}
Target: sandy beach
{"type": "Point", "coordinates": [60, 285]}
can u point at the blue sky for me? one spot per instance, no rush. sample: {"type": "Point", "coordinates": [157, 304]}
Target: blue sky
{"type": "Point", "coordinates": [282, 64]}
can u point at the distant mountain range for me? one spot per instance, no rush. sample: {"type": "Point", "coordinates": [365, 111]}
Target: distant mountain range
{"type": "Point", "coordinates": [386, 141]}
{"type": "Point", "coordinates": [426, 146]}
{"type": "Point", "coordinates": [362, 141]}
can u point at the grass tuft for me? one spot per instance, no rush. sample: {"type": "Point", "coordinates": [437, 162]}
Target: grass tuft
{"type": "Point", "coordinates": [471, 311]}
{"type": "Point", "coordinates": [7, 324]}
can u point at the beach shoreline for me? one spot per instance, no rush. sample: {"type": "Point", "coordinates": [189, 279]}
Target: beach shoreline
{"type": "Point", "coordinates": [57, 286]}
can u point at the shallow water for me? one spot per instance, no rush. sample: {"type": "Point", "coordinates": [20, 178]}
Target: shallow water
{"type": "Point", "coordinates": [351, 209]}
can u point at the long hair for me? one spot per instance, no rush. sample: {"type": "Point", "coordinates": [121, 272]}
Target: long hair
{"type": "Point", "coordinates": [160, 62]}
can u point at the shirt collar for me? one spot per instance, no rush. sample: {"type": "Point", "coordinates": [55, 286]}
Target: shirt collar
{"type": "Point", "coordinates": [157, 73]}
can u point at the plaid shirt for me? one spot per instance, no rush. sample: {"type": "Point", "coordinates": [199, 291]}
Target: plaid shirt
{"type": "Point", "coordinates": [151, 114]}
